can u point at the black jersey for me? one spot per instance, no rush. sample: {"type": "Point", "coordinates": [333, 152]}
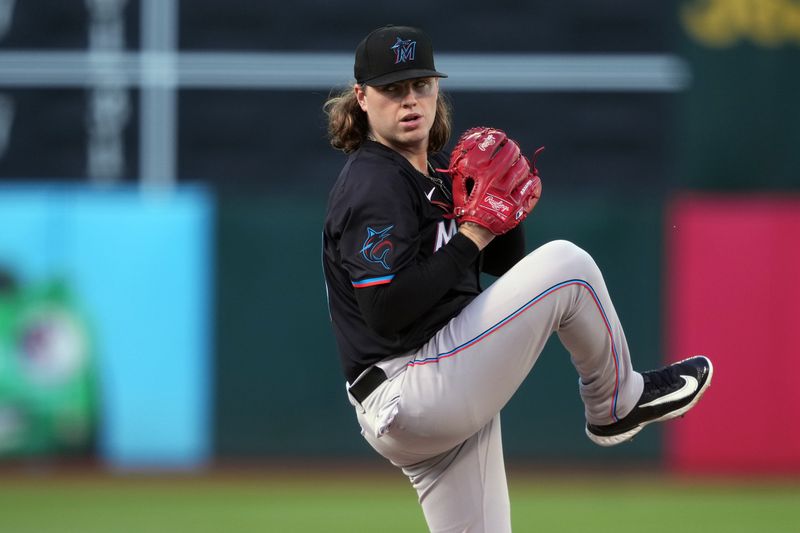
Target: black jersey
{"type": "Point", "coordinates": [385, 217]}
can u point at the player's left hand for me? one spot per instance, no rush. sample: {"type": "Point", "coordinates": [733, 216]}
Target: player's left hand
{"type": "Point", "coordinates": [494, 185]}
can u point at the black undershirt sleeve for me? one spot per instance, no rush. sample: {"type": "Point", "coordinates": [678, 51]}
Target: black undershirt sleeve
{"type": "Point", "coordinates": [414, 290]}
{"type": "Point", "coordinates": [504, 252]}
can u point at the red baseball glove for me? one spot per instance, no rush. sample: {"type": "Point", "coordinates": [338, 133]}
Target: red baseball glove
{"type": "Point", "coordinates": [494, 185]}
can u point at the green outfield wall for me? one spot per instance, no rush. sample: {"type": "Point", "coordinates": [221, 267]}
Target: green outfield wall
{"type": "Point", "coordinates": [279, 390]}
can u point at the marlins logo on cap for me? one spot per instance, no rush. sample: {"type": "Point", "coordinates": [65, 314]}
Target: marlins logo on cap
{"type": "Point", "coordinates": [404, 50]}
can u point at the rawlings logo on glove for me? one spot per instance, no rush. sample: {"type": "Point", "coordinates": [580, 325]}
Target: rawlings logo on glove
{"type": "Point", "coordinates": [494, 185]}
{"type": "Point", "coordinates": [498, 205]}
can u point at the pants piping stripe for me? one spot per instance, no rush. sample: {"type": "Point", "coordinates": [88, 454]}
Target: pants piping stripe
{"type": "Point", "coordinates": [522, 309]}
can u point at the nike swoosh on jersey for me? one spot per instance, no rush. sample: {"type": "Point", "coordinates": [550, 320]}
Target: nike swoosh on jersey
{"type": "Point", "coordinates": [429, 196]}
{"type": "Point", "coordinates": [689, 387]}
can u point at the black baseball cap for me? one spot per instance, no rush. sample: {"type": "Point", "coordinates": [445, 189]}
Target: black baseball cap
{"type": "Point", "coordinates": [394, 53]}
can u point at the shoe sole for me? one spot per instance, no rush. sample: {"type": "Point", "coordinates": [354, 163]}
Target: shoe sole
{"type": "Point", "coordinates": [628, 435]}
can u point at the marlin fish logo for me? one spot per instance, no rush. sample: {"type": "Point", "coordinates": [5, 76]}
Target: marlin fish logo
{"type": "Point", "coordinates": [377, 247]}
{"type": "Point", "coordinates": [404, 50]}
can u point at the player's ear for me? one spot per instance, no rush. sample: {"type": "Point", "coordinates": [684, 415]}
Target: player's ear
{"type": "Point", "coordinates": [361, 96]}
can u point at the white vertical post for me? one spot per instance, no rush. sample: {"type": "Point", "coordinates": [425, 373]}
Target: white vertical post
{"type": "Point", "coordinates": [157, 108]}
{"type": "Point", "coordinates": [108, 98]}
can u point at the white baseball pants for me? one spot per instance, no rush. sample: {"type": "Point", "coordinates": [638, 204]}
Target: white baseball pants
{"type": "Point", "coordinates": [437, 416]}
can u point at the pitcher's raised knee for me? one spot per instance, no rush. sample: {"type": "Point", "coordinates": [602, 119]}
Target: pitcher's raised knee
{"type": "Point", "coordinates": [572, 261]}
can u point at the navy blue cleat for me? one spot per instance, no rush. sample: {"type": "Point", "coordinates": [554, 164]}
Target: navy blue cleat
{"type": "Point", "coordinates": [669, 392]}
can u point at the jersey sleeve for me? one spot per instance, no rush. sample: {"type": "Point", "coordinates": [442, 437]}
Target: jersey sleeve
{"type": "Point", "coordinates": [380, 235]}
{"type": "Point", "coordinates": [504, 252]}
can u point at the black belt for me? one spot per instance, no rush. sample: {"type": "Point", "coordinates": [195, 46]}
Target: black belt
{"type": "Point", "coordinates": [368, 383]}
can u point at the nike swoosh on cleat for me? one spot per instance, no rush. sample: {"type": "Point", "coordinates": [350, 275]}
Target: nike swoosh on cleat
{"type": "Point", "coordinates": [689, 387]}
{"type": "Point", "coordinates": [430, 194]}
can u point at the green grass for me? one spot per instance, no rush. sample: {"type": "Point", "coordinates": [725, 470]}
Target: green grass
{"type": "Point", "coordinates": [656, 506]}
{"type": "Point", "coordinates": [263, 502]}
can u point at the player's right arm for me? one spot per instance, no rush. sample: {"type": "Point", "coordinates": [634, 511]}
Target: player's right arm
{"type": "Point", "coordinates": [416, 288]}
{"type": "Point", "coordinates": [379, 244]}
{"type": "Point", "coordinates": [504, 252]}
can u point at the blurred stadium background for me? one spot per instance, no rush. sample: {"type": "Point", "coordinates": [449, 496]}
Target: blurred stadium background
{"type": "Point", "coordinates": [165, 352]}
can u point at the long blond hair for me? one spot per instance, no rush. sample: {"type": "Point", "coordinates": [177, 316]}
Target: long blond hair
{"type": "Point", "coordinates": [348, 126]}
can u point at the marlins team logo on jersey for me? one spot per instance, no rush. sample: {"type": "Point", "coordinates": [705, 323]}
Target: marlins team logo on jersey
{"type": "Point", "coordinates": [444, 232]}
{"type": "Point", "coordinates": [378, 247]}
{"type": "Point", "coordinates": [404, 50]}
